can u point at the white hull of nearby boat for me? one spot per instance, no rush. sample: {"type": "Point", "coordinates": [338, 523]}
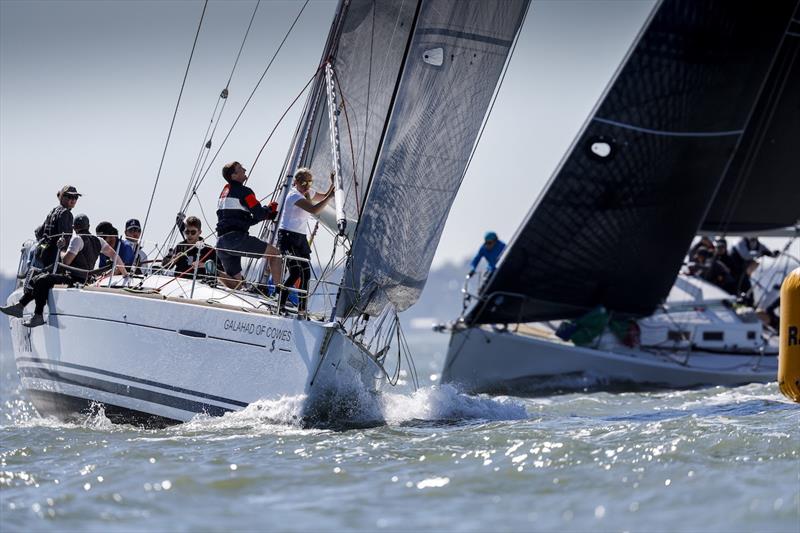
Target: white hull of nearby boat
{"type": "Point", "coordinates": [485, 360]}
{"type": "Point", "coordinates": [156, 360]}
{"type": "Point", "coordinates": [696, 339]}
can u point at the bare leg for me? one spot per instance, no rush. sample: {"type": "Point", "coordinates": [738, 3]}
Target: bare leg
{"type": "Point", "coordinates": [275, 267]}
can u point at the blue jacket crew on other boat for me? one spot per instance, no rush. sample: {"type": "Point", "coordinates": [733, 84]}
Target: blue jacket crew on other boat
{"type": "Point", "coordinates": [56, 225]}
{"type": "Point", "coordinates": [300, 204]}
{"type": "Point", "coordinates": [110, 234]}
{"type": "Point", "coordinates": [491, 250]}
{"type": "Point", "coordinates": [81, 254]}
{"type": "Point", "coordinates": [237, 210]}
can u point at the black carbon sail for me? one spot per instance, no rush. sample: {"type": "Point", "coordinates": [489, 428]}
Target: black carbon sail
{"type": "Point", "coordinates": [761, 191]}
{"type": "Point", "coordinates": [612, 226]}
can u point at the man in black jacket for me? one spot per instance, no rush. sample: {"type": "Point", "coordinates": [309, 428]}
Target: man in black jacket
{"type": "Point", "coordinates": [237, 210]}
{"type": "Point", "coordinates": [82, 253]}
{"type": "Point", "coordinates": [57, 225]}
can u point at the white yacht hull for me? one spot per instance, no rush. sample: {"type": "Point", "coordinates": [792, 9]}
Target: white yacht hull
{"type": "Point", "coordinates": [157, 360]}
{"type": "Point", "coordinates": [481, 359]}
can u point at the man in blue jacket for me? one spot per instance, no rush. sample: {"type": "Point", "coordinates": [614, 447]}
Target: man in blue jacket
{"type": "Point", "coordinates": [491, 250]}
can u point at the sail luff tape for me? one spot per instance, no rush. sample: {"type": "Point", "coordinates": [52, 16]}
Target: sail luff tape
{"type": "Point", "coordinates": [789, 354]}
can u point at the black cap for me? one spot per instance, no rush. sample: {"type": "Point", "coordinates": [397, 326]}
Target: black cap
{"type": "Point", "coordinates": [81, 222]}
{"type": "Point", "coordinates": [133, 223]}
{"type": "Point", "coordinates": [67, 189]}
{"type": "Point", "coordinates": [106, 229]}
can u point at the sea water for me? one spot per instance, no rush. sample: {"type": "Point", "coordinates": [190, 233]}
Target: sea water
{"type": "Point", "coordinates": [718, 459]}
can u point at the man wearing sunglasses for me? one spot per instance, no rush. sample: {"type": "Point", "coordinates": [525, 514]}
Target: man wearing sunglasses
{"type": "Point", "coordinates": [187, 252]}
{"type": "Point", "coordinates": [57, 225]}
{"type": "Point", "coordinates": [133, 230]}
{"type": "Point", "coordinates": [237, 210]}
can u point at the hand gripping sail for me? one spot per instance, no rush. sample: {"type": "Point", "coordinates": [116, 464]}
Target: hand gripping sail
{"type": "Point", "coordinates": [613, 223]}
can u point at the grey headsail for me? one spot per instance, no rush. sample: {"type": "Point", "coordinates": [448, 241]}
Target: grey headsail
{"type": "Point", "coordinates": [613, 224]}
{"type": "Point", "coordinates": [450, 71]}
{"type": "Point", "coordinates": [761, 190]}
{"type": "Point", "coordinates": [365, 50]}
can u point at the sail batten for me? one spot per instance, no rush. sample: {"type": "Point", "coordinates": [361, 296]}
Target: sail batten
{"type": "Point", "coordinates": [614, 222]}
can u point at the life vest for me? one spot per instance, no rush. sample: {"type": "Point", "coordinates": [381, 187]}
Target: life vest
{"type": "Point", "coordinates": [57, 224]}
{"type": "Point", "coordinates": [87, 257]}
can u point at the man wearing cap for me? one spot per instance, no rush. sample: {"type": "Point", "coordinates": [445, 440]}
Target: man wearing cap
{"type": "Point", "coordinates": [81, 254]}
{"type": "Point", "coordinates": [106, 231]}
{"type": "Point", "coordinates": [490, 250]}
{"type": "Point", "coordinates": [133, 230]}
{"type": "Point", "coordinates": [237, 210]}
{"type": "Point", "coordinates": [56, 225]}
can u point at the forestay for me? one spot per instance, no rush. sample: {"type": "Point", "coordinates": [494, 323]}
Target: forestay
{"type": "Point", "coordinates": [612, 226]}
{"type": "Point", "coordinates": [760, 191]}
{"type": "Point", "coordinates": [450, 70]}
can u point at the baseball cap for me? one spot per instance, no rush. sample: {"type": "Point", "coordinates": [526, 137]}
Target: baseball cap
{"type": "Point", "coordinates": [133, 223]}
{"type": "Point", "coordinates": [68, 189]}
{"type": "Point", "coordinates": [81, 222]}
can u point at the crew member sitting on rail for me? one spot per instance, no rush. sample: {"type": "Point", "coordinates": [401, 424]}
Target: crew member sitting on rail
{"type": "Point", "coordinates": [81, 254]}
{"type": "Point", "coordinates": [187, 252]}
{"type": "Point", "coordinates": [237, 210]}
{"type": "Point", "coordinates": [57, 224]}
{"type": "Point", "coordinates": [107, 232]}
{"type": "Point", "coordinates": [133, 230]}
{"type": "Point", "coordinates": [490, 250]}
{"type": "Point", "coordinates": [300, 204]}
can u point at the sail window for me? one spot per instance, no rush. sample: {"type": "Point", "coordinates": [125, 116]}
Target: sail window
{"type": "Point", "coordinates": [434, 57]}
{"type": "Point", "coordinates": [601, 148]}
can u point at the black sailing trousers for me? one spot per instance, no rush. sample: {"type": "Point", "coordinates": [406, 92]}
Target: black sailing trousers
{"type": "Point", "coordinates": [40, 288]}
{"type": "Point", "coordinates": [293, 243]}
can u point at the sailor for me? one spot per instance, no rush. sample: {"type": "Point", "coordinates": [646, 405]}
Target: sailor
{"type": "Point", "coordinates": [704, 242]}
{"type": "Point", "coordinates": [301, 202]}
{"type": "Point", "coordinates": [56, 225]}
{"type": "Point", "coordinates": [237, 210]}
{"type": "Point", "coordinates": [81, 254]}
{"type": "Point", "coordinates": [490, 250]}
{"type": "Point", "coordinates": [106, 231]}
{"type": "Point", "coordinates": [133, 230]}
{"type": "Point", "coordinates": [743, 258]}
{"type": "Point", "coordinates": [192, 249]}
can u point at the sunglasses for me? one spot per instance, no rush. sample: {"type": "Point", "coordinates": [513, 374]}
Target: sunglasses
{"type": "Point", "coordinates": [71, 196]}
{"type": "Point", "coordinates": [306, 182]}
{"type": "Point", "coordinates": [191, 232]}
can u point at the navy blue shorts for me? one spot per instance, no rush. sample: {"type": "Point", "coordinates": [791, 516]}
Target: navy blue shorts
{"type": "Point", "coordinates": [235, 244]}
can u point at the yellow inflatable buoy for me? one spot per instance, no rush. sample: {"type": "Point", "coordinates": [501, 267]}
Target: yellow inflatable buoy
{"type": "Point", "coordinates": [789, 354]}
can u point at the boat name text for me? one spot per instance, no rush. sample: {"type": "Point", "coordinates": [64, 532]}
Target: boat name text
{"type": "Point", "coordinates": [251, 328]}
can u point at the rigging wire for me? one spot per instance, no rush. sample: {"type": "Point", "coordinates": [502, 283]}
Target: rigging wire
{"type": "Point", "coordinates": [223, 97]}
{"type": "Point", "coordinates": [174, 115]}
{"type": "Point", "coordinates": [252, 93]}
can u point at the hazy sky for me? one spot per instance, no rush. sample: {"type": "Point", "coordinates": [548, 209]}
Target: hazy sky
{"type": "Point", "coordinates": [88, 88]}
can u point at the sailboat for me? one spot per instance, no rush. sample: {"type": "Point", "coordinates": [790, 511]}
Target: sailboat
{"type": "Point", "coordinates": [695, 132]}
{"type": "Point", "coordinates": [403, 88]}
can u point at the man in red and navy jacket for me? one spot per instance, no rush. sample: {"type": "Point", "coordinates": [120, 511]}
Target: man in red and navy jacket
{"type": "Point", "coordinates": [237, 210]}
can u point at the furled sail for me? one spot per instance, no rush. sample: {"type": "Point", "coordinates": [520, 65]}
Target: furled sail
{"type": "Point", "coordinates": [365, 49]}
{"type": "Point", "coordinates": [612, 226]}
{"type": "Point", "coordinates": [760, 190]}
{"type": "Point", "coordinates": [450, 69]}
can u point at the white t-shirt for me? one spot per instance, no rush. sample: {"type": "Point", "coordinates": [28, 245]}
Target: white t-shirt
{"type": "Point", "coordinates": [295, 218]}
{"type": "Point", "coordinates": [75, 244]}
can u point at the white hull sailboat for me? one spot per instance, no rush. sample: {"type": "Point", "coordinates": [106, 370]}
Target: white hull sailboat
{"type": "Point", "coordinates": [159, 349]}
{"type": "Point", "coordinates": [160, 358]}
{"type": "Point", "coordinates": [697, 339]}
{"type": "Point", "coordinates": [690, 136]}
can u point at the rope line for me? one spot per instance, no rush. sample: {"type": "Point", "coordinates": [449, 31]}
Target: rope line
{"type": "Point", "coordinates": [174, 115]}
{"type": "Point", "coordinates": [252, 93]}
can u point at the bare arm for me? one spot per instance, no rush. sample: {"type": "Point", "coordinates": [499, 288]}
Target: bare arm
{"type": "Point", "coordinates": [109, 252]}
{"type": "Point", "coordinates": [314, 209]}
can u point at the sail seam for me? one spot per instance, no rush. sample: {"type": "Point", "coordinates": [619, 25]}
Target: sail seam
{"type": "Point", "coordinates": [666, 133]}
{"type": "Point", "coordinates": [465, 35]}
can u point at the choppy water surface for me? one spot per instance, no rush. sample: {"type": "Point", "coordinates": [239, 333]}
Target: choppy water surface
{"type": "Point", "coordinates": [714, 460]}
